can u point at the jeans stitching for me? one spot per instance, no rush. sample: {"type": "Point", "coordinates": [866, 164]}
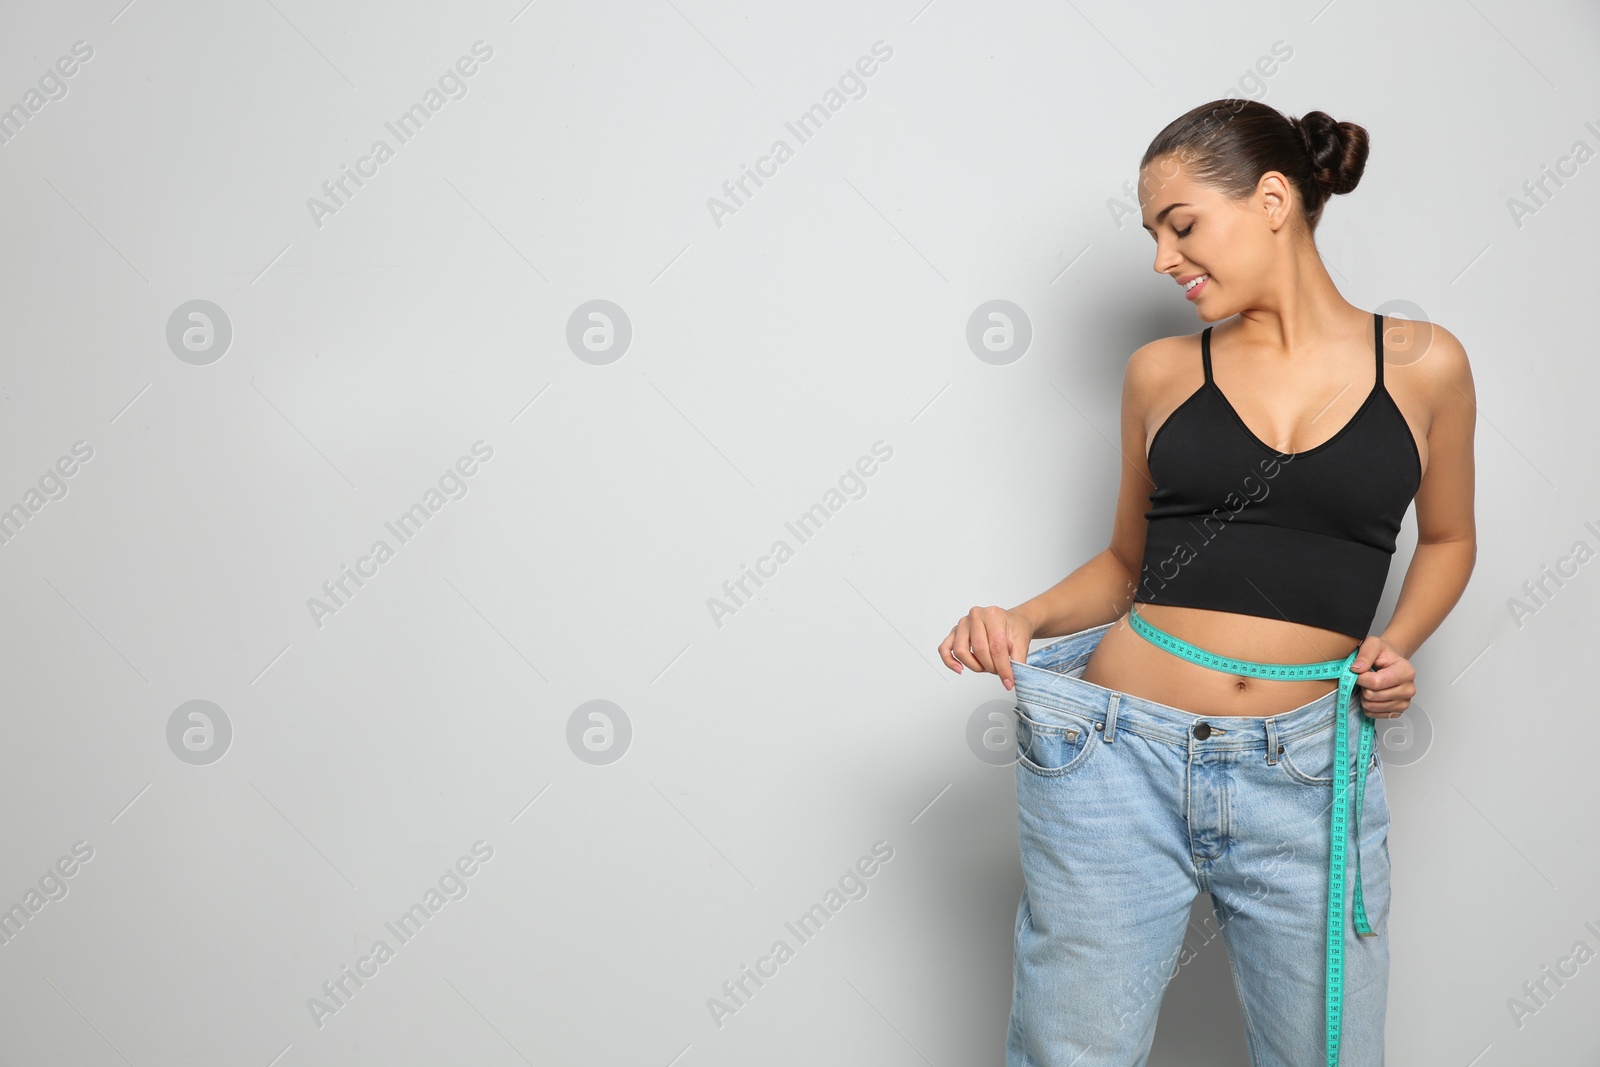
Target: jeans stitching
{"type": "Point", "coordinates": [1251, 746]}
{"type": "Point", "coordinates": [1040, 771]}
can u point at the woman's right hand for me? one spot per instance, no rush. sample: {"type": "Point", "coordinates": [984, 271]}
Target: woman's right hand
{"type": "Point", "coordinates": [987, 640]}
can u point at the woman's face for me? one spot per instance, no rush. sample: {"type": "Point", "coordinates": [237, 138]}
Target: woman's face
{"type": "Point", "coordinates": [1233, 247]}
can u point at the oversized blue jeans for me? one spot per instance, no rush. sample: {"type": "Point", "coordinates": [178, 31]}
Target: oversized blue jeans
{"type": "Point", "coordinates": [1125, 815]}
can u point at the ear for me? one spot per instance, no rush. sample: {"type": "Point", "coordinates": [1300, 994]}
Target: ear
{"type": "Point", "coordinates": [1277, 201]}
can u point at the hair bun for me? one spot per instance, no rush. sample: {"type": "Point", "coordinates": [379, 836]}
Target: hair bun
{"type": "Point", "coordinates": [1338, 150]}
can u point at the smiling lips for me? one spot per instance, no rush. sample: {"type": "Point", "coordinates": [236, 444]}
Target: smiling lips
{"type": "Point", "coordinates": [1193, 285]}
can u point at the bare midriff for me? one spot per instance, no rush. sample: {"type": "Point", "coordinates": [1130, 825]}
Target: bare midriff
{"type": "Point", "coordinates": [1128, 663]}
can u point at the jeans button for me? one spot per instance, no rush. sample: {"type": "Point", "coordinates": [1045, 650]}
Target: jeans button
{"type": "Point", "coordinates": [1202, 730]}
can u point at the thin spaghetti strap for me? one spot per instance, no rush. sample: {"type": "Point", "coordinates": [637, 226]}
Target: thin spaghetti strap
{"type": "Point", "coordinates": [1205, 352]}
{"type": "Point", "coordinates": [1377, 343]}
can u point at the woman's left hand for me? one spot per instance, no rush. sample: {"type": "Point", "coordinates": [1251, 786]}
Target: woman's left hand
{"type": "Point", "coordinates": [1386, 691]}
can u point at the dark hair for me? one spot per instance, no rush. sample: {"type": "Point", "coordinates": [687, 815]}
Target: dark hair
{"type": "Point", "coordinates": [1230, 143]}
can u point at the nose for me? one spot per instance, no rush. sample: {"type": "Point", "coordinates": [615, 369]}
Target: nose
{"type": "Point", "coordinates": [1167, 259]}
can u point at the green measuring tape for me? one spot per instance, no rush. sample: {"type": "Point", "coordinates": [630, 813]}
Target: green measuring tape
{"type": "Point", "coordinates": [1327, 669]}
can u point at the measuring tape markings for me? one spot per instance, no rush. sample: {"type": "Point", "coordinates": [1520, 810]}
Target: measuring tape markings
{"type": "Point", "coordinates": [1327, 669]}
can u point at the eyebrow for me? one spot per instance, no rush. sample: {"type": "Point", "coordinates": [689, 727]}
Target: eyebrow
{"type": "Point", "coordinates": [1163, 213]}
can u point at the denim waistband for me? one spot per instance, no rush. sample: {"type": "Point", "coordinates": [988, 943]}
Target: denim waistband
{"type": "Point", "coordinates": [1051, 679]}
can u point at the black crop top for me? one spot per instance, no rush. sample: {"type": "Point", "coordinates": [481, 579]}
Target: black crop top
{"type": "Point", "coordinates": [1236, 525]}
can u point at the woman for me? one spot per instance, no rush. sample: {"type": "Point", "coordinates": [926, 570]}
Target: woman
{"type": "Point", "coordinates": [1163, 748]}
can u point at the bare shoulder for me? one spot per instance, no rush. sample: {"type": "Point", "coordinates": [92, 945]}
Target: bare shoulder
{"type": "Point", "coordinates": [1162, 365]}
{"type": "Point", "coordinates": [1428, 355]}
{"type": "Point", "coordinates": [1429, 376]}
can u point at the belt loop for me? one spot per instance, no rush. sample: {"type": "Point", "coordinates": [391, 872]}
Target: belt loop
{"type": "Point", "coordinates": [1111, 716]}
{"type": "Point", "coordinates": [1272, 743]}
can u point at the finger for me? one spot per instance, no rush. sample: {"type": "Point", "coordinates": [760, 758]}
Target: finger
{"type": "Point", "coordinates": [1390, 677]}
{"type": "Point", "coordinates": [970, 642]}
{"type": "Point", "coordinates": [1000, 649]}
{"type": "Point", "coordinates": [1374, 703]}
{"type": "Point", "coordinates": [1377, 706]}
{"type": "Point", "coordinates": [963, 645]}
{"type": "Point", "coordinates": [1367, 654]}
{"type": "Point", "coordinates": [981, 636]}
{"type": "Point", "coordinates": [1390, 694]}
{"type": "Point", "coordinates": [945, 647]}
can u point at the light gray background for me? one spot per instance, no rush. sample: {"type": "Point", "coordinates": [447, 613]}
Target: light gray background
{"type": "Point", "coordinates": [768, 353]}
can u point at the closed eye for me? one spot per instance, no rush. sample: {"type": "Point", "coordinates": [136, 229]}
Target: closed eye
{"type": "Point", "coordinates": [1185, 232]}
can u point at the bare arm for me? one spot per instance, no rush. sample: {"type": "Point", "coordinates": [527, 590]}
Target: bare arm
{"type": "Point", "coordinates": [1447, 538]}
